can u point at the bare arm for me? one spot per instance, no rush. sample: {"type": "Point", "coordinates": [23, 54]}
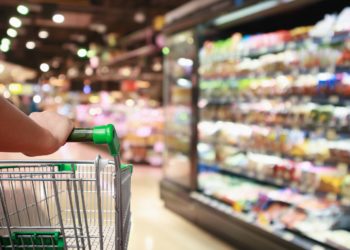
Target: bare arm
{"type": "Point", "coordinates": [39, 134]}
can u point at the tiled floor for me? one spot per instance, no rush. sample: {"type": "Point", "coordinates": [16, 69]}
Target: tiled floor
{"type": "Point", "coordinates": [154, 227]}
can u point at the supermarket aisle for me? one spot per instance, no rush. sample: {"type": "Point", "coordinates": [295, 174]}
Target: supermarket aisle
{"type": "Point", "coordinates": [154, 227]}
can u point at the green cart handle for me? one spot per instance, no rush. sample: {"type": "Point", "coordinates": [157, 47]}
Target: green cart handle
{"type": "Point", "coordinates": [105, 134]}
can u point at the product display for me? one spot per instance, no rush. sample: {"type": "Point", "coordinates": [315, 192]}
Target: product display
{"type": "Point", "coordinates": [274, 127]}
{"type": "Point", "coordinates": [142, 139]}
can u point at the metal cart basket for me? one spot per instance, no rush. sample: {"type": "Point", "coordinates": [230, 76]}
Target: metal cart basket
{"type": "Point", "coordinates": [67, 204]}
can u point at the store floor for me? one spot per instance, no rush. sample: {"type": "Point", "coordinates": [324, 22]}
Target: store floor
{"type": "Point", "coordinates": [154, 227]}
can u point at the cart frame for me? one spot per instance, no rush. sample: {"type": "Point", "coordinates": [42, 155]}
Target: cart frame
{"type": "Point", "coordinates": [52, 204]}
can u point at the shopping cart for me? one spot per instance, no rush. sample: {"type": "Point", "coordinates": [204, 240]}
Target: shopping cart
{"type": "Point", "coordinates": [67, 204]}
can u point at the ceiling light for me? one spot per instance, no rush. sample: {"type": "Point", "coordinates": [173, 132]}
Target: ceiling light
{"type": "Point", "coordinates": [94, 62]}
{"type": "Point", "coordinates": [82, 52]}
{"type": "Point", "coordinates": [139, 17]}
{"type": "Point", "coordinates": [16, 88]}
{"type": "Point", "coordinates": [37, 99]}
{"type": "Point", "coordinates": [125, 71]}
{"type": "Point", "coordinates": [91, 53]}
{"type": "Point", "coordinates": [143, 84]}
{"type": "Point", "coordinates": [4, 47]}
{"type": "Point", "coordinates": [11, 32]}
{"type": "Point", "coordinates": [244, 12]}
{"type": "Point", "coordinates": [87, 89]}
{"type": "Point", "coordinates": [56, 63]}
{"type": "Point", "coordinates": [7, 94]}
{"type": "Point", "coordinates": [184, 83]}
{"type": "Point", "coordinates": [6, 41]}
{"type": "Point", "coordinates": [104, 70]}
{"type": "Point", "coordinates": [44, 67]}
{"type": "Point", "coordinates": [89, 71]}
{"type": "Point", "coordinates": [73, 73]}
{"type": "Point", "coordinates": [30, 45]}
{"type": "Point", "coordinates": [185, 62]}
{"type": "Point", "coordinates": [58, 18]}
{"type": "Point", "coordinates": [165, 51]}
{"type": "Point", "coordinates": [43, 34]}
{"type": "Point", "coordinates": [22, 9]}
{"type": "Point", "coordinates": [130, 102]}
{"type": "Point", "coordinates": [157, 66]}
{"type": "Point", "coordinates": [15, 22]}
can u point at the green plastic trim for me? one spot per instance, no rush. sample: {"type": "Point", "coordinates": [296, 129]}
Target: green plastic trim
{"type": "Point", "coordinates": [34, 240]}
{"type": "Point", "coordinates": [56, 235]}
{"type": "Point", "coordinates": [106, 134]}
{"type": "Point", "coordinates": [127, 166]}
{"type": "Point", "coordinates": [5, 167]}
{"type": "Point", "coordinates": [66, 167]}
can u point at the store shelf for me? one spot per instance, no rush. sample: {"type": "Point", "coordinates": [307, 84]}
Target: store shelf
{"type": "Point", "coordinates": [307, 128]}
{"type": "Point", "coordinates": [328, 162]}
{"type": "Point", "coordinates": [293, 71]}
{"type": "Point", "coordinates": [240, 172]}
{"type": "Point", "coordinates": [294, 45]}
{"type": "Point", "coordinates": [221, 220]}
{"type": "Point", "coordinates": [329, 99]}
{"type": "Point", "coordinates": [296, 240]}
{"type": "Point", "coordinates": [309, 71]}
{"type": "Point", "coordinates": [255, 177]}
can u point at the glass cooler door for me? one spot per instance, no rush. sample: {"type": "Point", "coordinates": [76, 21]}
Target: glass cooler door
{"type": "Point", "coordinates": [180, 56]}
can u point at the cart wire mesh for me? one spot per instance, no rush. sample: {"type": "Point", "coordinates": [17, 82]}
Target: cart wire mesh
{"type": "Point", "coordinates": [64, 204]}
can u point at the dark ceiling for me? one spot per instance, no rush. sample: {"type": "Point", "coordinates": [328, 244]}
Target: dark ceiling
{"type": "Point", "coordinates": [82, 18]}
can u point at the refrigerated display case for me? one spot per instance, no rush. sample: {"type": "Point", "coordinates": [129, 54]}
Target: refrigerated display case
{"type": "Point", "coordinates": [273, 141]}
{"type": "Point", "coordinates": [180, 59]}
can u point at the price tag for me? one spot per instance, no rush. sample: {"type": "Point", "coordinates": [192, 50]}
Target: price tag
{"type": "Point", "coordinates": [291, 45]}
{"type": "Point", "coordinates": [298, 159]}
{"type": "Point", "coordinates": [250, 174]}
{"type": "Point", "coordinates": [314, 71]}
{"type": "Point", "coordinates": [263, 50]}
{"type": "Point", "coordinates": [295, 72]}
{"type": "Point", "coordinates": [279, 181]}
{"type": "Point", "coordinates": [280, 47]}
{"type": "Point", "coordinates": [342, 168]}
{"type": "Point", "coordinates": [294, 99]}
{"type": "Point", "coordinates": [331, 197]}
{"type": "Point", "coordinates": [310, 190]}
{"type": "Point", "coordinates": [288, 236]}
{"type": "Point", "coordinates": [326, 40]}
{"type": "Point", "coordinates": [238, 170]}
{"type": "Point", "coordinates": [302, 187]}
{"type": "Point", "coordinates": [334, 99]}
{"type": "Point", "coordinates": [331, 134]}
{"type": "Point", "coordinates": [306, 99]}
{"type": "Point", "coordinates": [261, 176]}
{"type": "Point", "coordinates": [345, 202]}
{"type": "Point", "coordinates": [331, 69]}
{"type": "Point", "coordinates": [294, 184]}
{"type": "Point", "coordinates": [319, 162]}
{"type": "Point", "coordinates": [317, 247]}
{"type": "Point", "coordinates": [309, 43]}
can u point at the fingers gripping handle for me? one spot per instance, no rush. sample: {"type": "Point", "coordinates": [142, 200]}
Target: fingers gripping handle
{"type": "Point", "coordinates": [105, 134]}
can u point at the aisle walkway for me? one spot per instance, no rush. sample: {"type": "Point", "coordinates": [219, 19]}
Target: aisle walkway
{"type": "Point", "coordinates": [154, 227]}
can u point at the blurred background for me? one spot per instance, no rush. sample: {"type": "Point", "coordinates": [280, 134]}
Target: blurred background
{"type": "Point", "coordinates": [234, 112]}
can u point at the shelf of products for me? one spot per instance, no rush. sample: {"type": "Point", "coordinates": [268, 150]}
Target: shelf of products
{"type": "Point", "coordinates": [139, 121]}
{"type": "Point", "coordinates": [139, 127]}
{"type": "Point", "coordinates": [274, 140]}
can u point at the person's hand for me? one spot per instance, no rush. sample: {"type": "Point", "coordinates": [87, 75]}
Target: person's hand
{"type": "Point", "coordinates": [58, 129]}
